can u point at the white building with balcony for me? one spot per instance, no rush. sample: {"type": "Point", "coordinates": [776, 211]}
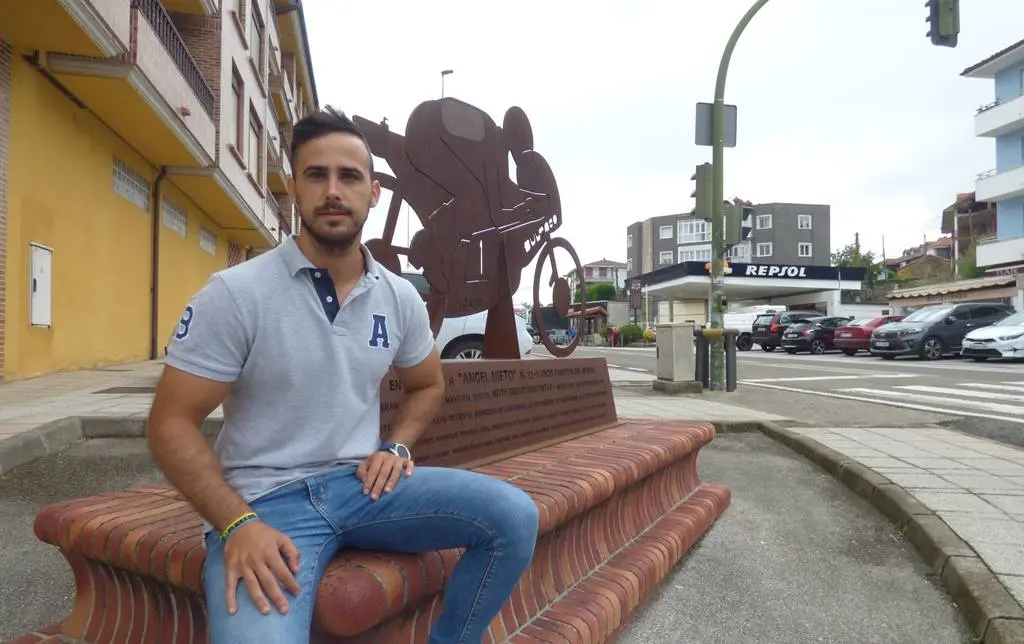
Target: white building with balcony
{"type": "Point", "coordinates": [1003, 120]}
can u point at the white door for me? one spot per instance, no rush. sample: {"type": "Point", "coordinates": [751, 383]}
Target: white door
{"type": "Point", "coordinates": [40, 288]}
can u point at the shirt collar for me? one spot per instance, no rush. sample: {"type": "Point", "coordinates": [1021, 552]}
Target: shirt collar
{"type": "Point", "coordinates": [296, 261]}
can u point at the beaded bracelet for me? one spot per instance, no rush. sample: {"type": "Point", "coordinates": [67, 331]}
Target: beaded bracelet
{"type": "Point", "coordinates": [237, 523]}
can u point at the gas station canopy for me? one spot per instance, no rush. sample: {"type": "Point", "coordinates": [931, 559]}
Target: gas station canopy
{"type": "Point", "coordinates": [692, 280]}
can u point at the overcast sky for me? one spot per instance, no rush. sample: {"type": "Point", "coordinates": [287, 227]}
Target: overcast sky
{"type": "Point", "coordinates": [844, 103]}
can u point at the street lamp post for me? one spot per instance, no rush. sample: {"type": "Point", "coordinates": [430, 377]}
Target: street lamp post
{"type": "Point", "coordinates": [444, 73]}
{"type": "Point", "coordinates": [717, 210]}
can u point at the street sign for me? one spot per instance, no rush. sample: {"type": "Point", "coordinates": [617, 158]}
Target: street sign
{"type": "Point", "coordinates": [705, 125]}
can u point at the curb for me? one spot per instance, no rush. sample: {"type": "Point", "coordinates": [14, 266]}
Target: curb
{"type": "Point", "coordinates": [992, 613]}
{"type": "Point", "coordinates": [41, 441]}
{"type": "Point", "coordinates": [59, 435]}
{"type": "Point", "coordinates": [121, 427]}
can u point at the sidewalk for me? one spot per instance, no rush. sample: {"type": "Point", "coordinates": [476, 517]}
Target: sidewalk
{"type": "Point", "coordinates": [975, 486]}
{"type": "Point", "coordinates": [42, 416]}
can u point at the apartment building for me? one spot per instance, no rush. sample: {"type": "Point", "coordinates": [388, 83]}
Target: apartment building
{"type": "Point", "coordinates": [782, 233]}
{"type": "Point", "coordinates": [603, 271]}
{"type": "Point", "coordinates": [143, 146]}
{"type": "Point", "coordinates": [1003, 121]}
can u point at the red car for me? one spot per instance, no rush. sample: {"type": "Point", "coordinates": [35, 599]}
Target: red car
{"type": "Point", "coordinates": [855, 336]}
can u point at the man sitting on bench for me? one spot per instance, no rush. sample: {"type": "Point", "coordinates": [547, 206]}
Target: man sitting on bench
{"type": "Point", "coordinates": [295, 344]}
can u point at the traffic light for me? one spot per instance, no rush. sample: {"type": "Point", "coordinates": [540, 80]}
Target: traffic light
{"type": "Point", "coordinates": [702, 191]}
{"type": "Point", "coordinates": [943, 21]}
{"type": "Point", "coordinates": [738, 223]}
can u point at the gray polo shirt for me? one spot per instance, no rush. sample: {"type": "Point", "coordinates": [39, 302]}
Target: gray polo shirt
{"type": "Point", "coordinates": [305, 371]}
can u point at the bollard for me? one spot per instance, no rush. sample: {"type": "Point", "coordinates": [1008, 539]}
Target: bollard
{"type": "Point", "coordinates": [730, 359]}
{"type": "Point", "coordinates": [702, 372]}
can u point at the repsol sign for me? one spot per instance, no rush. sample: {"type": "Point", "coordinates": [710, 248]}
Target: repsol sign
{"type": "Point", "coordinates": [772, 270]}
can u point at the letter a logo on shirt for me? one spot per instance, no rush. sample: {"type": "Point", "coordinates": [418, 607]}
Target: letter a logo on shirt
{"type": "Point", "coordinates": [379, 336]}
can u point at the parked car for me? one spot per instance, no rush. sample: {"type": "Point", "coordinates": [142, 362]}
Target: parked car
{"type": "Point", "coordinates": [743, 321]}
{"type": "Point", "coordinates": [462, 338]}
{"type": "Point", "coordinates": [767, 329]}
{"type": "Point", "coordinates": [1004, 339]}
{"type": "Point", "coordinates": [812, 334]}
{"type": "Point", "coordinates": [856, 336]}
{"type": "Point", "coordinates": [936, 330]}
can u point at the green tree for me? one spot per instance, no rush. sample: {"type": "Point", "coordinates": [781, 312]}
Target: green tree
{"type": "Point", "coordinates": [852, 255]}
{"type": "Point", "coordinates": [598, 292]}
{"type": "Point", "coordinates": [967, 267]}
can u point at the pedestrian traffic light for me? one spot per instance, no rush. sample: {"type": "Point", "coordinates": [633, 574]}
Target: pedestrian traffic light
{"type": "Point", "coordinates": [738, 223]}
{"type": "Point", "coordinates": [943, 22]}
{"type": "Point", "coordinates": [702, 191]}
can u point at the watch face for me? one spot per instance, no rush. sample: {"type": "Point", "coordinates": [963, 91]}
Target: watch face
{"type": "Point", "coordinates": [403, 452]}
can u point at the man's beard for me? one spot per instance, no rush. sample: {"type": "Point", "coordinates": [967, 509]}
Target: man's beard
{"type": "Point", "coordinates": [333, 241]}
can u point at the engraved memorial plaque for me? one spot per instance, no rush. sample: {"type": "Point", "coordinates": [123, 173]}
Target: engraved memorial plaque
{"type": "Point", "coordinates": [493, 408]}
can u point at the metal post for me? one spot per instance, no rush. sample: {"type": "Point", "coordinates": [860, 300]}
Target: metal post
{"type": "Point", "coordinates": [700, 366]}
{"type": "Point", "coordinates": [717, 190]}
{"type": "Point", "coordinates": [444, 73]}
{"type": "Point", "coordinates": [730, 359]}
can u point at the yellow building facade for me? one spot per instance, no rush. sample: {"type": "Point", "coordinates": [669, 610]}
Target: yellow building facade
{"type": "Point", "coordinates": [125, 180]}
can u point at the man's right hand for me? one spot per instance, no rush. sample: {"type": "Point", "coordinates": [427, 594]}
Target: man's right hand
{"type": "Point", "coordinates": [262, 557]}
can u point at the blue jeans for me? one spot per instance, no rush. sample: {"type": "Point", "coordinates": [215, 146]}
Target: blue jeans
{"type": "Point", "coordinates": [434, 509]}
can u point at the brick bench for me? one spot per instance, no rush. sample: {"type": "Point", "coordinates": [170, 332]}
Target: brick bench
{"type": "Point", "coordinates": [619, 509]}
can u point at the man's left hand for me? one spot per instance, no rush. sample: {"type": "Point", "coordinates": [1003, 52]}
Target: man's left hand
{"type": "Point", "coordinates": [381, 471]}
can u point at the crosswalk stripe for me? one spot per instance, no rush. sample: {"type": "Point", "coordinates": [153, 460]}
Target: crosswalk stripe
{"type": "Point", "coordinates": [868, 376]}
{"type": "Point", "coordinates": [943, 400]}
{"type": "Point", "coordinates": [992, 385]}
{"type": "Point", "coordinates": [986, 395]}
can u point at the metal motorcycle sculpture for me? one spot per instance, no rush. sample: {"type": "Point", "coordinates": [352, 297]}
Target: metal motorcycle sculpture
{"type": "Point", "coordinates": [480, 228]}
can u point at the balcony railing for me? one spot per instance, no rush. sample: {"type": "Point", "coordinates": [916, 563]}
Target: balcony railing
{"type": "Point", "coordinates": [164, 28]}
{"type": "Point", "coordinates": [998, 102]}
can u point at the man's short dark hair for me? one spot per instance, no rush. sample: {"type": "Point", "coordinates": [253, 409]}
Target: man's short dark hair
{"type": "Point", "coordinates": [321, 123]}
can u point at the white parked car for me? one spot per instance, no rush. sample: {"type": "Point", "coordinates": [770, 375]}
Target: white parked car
{"type": "Point", "coordinates": [1004, 339]}
{"type": "Point", "coordinates": [462, 338]}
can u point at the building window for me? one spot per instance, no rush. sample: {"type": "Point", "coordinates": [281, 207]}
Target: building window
{"type": "Point", "coordinates": [254, 149]}
{"type": "Point", "coordinates": [695, 253]}
{"type": "Point", "coordinates": [208, 241]}
{"type": "Point", "coordinates": [763, 222]}
{"type": "Point", "coordinates": [804, 249]}
{"type": "Point", "coordinates": [131, 185]}
{"type": "Point", "coordinates": [629, 264]}
{"type": "Point", "coordinates": [764, 249]}
{"type": "Point", "coordinates": [629, 240]}
{"type": "Point", "coordinates": [256, 36]}
{"type": "Point", "coordinates": [174, 218]}
{"type": "Point", "coordinates": [739, 252]}
{"type": "Point", "coordinates": [803, 222]}
{"type": "Point", "coordinates": [665, 232]}
{"type": "Point", "coordinates": [665, 257]}
{"type": "Point", "coordinates": [693, 231]}
{"type": "Point", "coordinates": [237, 111]}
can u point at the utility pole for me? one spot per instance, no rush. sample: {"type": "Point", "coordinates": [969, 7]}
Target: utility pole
{"type": "Point", "coordinates": [717, 206]}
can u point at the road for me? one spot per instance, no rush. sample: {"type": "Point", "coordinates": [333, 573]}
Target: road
{"type": "Point", "coordinates": [985, 399]}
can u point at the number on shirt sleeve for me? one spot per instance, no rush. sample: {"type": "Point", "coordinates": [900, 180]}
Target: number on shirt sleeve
{"type": "Point", "coordinates": [417, 338]}
{"type": "Point", "coordinates": [211, 339]}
